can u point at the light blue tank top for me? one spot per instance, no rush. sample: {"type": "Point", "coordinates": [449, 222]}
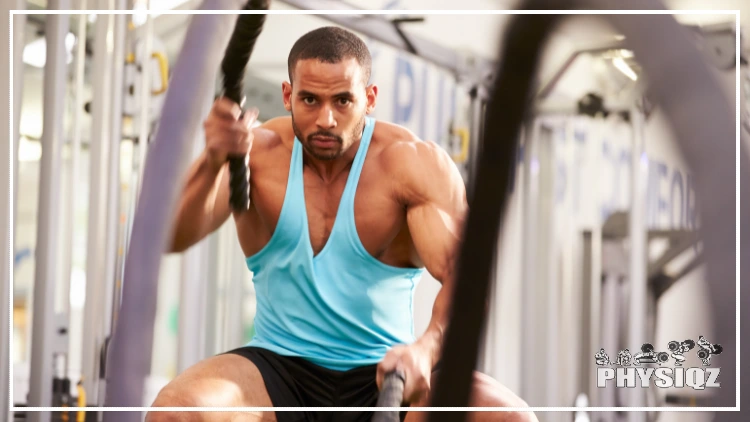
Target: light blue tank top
{"type": "Point", "coordinates": [341, 308]}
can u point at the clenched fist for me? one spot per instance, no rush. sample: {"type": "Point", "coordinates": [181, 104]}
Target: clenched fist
{"type": "Point", "coordinates": [228, 132]}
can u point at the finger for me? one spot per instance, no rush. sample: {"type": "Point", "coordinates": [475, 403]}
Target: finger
{"type": "Point", "coordinates": [250, 117]}
{"type": "Point", "coordinates": [387, 365]}
{"type": "Point", "coordinates": [234, 141]}
{"type": "Point", "coordinates": [226, 108]}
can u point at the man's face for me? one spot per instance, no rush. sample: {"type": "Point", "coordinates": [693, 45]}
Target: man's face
{"type": "Point", "coordinates": [328, 102]}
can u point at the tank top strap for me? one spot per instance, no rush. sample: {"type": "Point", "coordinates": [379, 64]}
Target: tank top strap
{"type": "Point", "coordinates": [359, 161]}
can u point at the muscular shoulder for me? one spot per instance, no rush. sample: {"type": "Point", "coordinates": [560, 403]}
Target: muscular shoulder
{"type": "Point", "coordinates": [420, 169]}
{"type": "Point", "coordinates": [273, 134]}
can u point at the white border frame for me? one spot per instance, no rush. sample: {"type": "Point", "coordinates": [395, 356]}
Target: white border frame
{"type": "Point", "coordinates": [736, 13]}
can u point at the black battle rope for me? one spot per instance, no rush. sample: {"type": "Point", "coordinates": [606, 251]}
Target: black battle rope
{"type": "Point", "coordinates": [513, 93]}
{"type": "Point", "coordinates": [700, 117]}
{"type": "Point", "coordinates": [246, 32]}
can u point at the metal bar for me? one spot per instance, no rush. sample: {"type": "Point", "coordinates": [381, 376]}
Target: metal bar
{"type": "Point", "coordinates": [211, 311]}
{"type": "Point", "coordinates": [383, 31]}
{"type": "Point", "coordinates": [682, 245]}
{"type": "Point", "coordinates": [13, 73]}
{"type": "Point", "coordinates": [585, 317]}
{"type": "Point", "coordinates": [530, 313]}
{"type": "Point", "coordinates": [75, 158]}
{"type": "Point", "coordinates": [551, 83]}
{"type": "Point", "coordinates": [19, 26]}
{"type": "Point", "coordinates": [638, 257]}
{"type": "Point", "coordinates": [595, 308]}
{"type": "Point", "coordinates": [99, 150]}
{"type": "Point", "coordinates": [113, 191]}
{"type": "Point", "coordinates": [167, 161]}
{"type": "Point", "coordinates": [195, 281]}
{"type": "Point", "coordinates": [191, 329]}
{"type": "Point", "coordinates": [44, 328]}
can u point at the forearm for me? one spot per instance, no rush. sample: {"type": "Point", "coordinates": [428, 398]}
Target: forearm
{"type": "Point", "coordinates": [432, 339]}
{"type": "Point", "coordinates": [196, 212]}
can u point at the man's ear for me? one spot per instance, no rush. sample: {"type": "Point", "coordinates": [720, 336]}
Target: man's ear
{"type": "Point", "coordinates": [286, 92]}
{"type": "Point", "coordinates": [371, 92]}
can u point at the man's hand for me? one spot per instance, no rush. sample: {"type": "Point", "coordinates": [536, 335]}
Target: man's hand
{"type": "Point", "coordinates": [226, 133]}
{"type": "Point", "coordinates": [415, 361]}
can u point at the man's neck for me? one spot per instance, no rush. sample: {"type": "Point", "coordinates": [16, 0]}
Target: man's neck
{"type": "Point", "coordinates": [330, 170]}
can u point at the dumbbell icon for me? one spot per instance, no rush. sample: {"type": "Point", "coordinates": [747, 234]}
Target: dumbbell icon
{"type": "Point", "coordinates": [678, 349]}
{"type": "Point", "coordinates": [707, 350]}
{"type": "Point", "coordinates": [648, 355]}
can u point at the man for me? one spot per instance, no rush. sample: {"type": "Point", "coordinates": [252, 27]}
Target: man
{"type": "Point", "coordinates": [346, 212]}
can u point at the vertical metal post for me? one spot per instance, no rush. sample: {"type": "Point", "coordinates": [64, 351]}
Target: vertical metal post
{"type": "Point", "coordinates": [585, 318]}
{"type": "Point", "coordinates": [532, 320]}
{"type": "Point", "coordinates": [212, 296]}
{"type": "Point", "coordinates": [99, 151]}
{"type": "Point", "coordinates": [113, 189]}
{"type": "Point", "coordinates": [192, 316]}
{"type": "Point", "coordinates": [75, 159]}
{"type": "Point", "coordinates": [44, 330]}
{"type": "Point", "coordinates": [19, 26]}
{"type": "Point", "coordinates": [126, 371]}
{"type": "Point", "coordinates": [194, 285]}
{"type": "Point", "coordinates": [638, 252]}
{"type": "Point", "coordinates": [145, 35]}
{"type": "Point", "coordinates": [549, 278]}
{"type": "Point", "coordinates": [232, 292]}
{"type": "Point", "coordinates": [74, 319]}
{"type": "Point", "coordinates": [8, 155]}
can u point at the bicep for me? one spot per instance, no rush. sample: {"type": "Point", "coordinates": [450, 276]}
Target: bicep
{"type": "Point", "coordinates": [435, 214]}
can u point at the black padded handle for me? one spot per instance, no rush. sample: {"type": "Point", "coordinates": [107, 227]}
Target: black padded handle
{"type": "Point", "coordinates": [246, 32]}
{"type": "Point", "coordinates": [391, 395]}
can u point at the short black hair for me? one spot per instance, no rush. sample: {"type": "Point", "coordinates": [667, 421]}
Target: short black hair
{"type": "Point", "coordinates": [330, 44]}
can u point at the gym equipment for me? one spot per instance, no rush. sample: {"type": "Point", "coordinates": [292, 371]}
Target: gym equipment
{"type": "Point", "coordinates": [238, 52]}
{"type": "Point", "coordinates": [391, 395]}
{"type": "Point", "coordinates": [698, 114]}
{"type": "Point", "coordinates": [180, 120]}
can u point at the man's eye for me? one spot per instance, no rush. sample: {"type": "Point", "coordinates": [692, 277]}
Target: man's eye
{"type": "Point", "coordinates": [344, 101]}
{"type": "Point", "coordinates": [308, 100]}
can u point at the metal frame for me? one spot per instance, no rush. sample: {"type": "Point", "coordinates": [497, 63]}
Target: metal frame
{"type": "Point", "coordinates": [638, 254]}
{"type": "Point", "coordinates": [463, 67]}
{"type": "Point", "coordinates": [45, 337]}
{"type": "Point", "coordinates": [533, 363]}
{"type": "Point", "coordinates": [98, 230]}
{"type": "Point", "coordinates": [7, 197]}
{"type": "Point", "coordinates": [195, 284]}
{"type": "Point", "coordinates": [126, 370]}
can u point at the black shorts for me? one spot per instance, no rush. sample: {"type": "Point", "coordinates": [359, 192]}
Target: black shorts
{"type": "Point", "coordinates": [296, 382]}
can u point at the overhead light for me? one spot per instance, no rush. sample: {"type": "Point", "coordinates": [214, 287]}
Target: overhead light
{"type": "Point", "coordinates": [35, 52]}
{"type": "Point", "coordinates": [623, 67]}
{"type": "Point", "coordinates": [626, 54]}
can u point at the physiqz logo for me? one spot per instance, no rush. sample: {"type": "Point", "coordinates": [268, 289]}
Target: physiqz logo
{"type": "Point", "coordinates": [627, 369]}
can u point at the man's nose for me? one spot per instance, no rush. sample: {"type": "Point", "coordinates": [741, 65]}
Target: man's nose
{"type": "Point", "coordinates": [326, 119]}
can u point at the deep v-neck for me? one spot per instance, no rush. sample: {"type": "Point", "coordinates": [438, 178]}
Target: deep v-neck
{"type": "Point", "coordinates": [354, 173]}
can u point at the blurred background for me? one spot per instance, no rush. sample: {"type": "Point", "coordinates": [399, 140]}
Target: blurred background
{"type": "Point", "coordinates": [565, 272]}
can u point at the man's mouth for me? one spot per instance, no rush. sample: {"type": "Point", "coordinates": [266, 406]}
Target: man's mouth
{"type": "Point", "coordinates": [324, 141]}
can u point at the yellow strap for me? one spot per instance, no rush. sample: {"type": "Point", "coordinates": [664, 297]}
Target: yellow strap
{"type": "Point", "coordinates": [163, 71]}
{"type": "Point", "coordinates": [463, 134]}
{"type": "Point", "coordinates": [81, 416]}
